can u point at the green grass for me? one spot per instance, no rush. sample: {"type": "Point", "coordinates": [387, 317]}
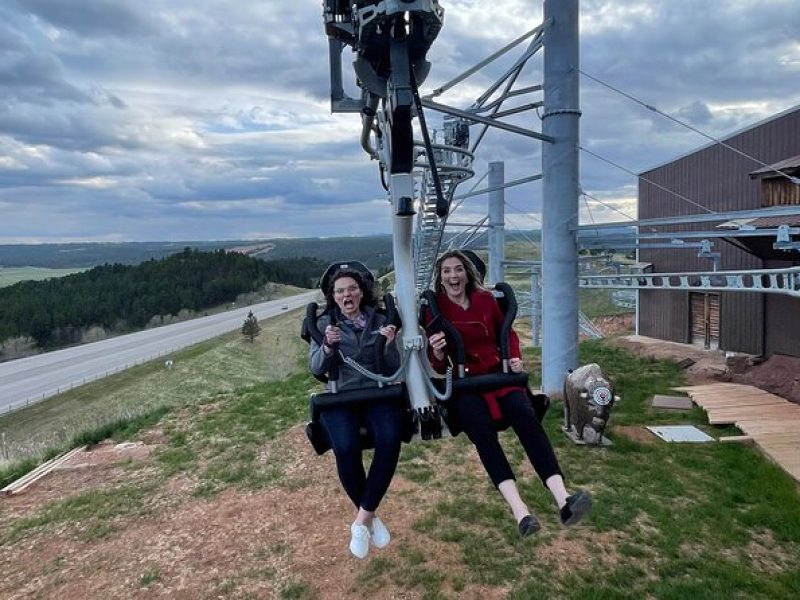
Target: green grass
{"type": "Point", "coordinates": [199, 374]}
{"type": "Point", "coordinates": [91, 512]}
{"type": "Point", "coordinates": [12, 275]}
{"type": "Point", "coordinates": [599, 303]}
{"type": "Point", "coordinates": [226, 441]}
{"type": "Point", "coordinates": [669, 520]}
{"type": "Point", "coordinates": [151, 575]}
{"type": "Point", "coordinates": [681, 519]}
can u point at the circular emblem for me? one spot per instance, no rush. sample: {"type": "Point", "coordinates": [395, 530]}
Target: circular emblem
{"type": "Point", "coordinates": [602, 396]}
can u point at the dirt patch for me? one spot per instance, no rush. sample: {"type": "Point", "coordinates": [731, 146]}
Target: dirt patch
{"type": "Point", "coordinates": [779, 375]}
{"type": "Point", "coordinates": [765, 554]}
{"type": "Point", "coordinates": [636, 433]}
{"type": "Point", "coordinates": [286, 540]}
{"type": "Point", "coordinates": [565, 554]}
{"type": "Point", "coordinates": [709, 365]}
{"type": "Point", "coordinates": [103, 467]}
{"type": "Point", "coordinates": [612, 325]}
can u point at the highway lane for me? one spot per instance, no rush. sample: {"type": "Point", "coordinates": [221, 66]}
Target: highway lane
{"type": "Point", "coordinates": [35, 378]}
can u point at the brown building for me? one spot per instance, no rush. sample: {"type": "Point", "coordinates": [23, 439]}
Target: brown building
{"type": "Point", "coordinates": [720, 180]}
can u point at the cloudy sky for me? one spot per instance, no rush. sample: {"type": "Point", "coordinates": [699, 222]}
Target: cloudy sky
{"type": "Point", "coordinates": [123, 120]}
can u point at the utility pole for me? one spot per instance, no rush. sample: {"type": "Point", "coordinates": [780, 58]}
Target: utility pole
{"type": "Point", "coordinates": [561, 187]}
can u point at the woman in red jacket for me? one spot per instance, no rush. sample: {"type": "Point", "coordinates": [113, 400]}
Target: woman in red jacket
{"type": "Point", "coordinates": [476, 315]}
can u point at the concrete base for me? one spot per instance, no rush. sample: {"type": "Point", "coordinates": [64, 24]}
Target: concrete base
{"type": "Point", "coordinates": [573, 437]}
{"type": "Point", "coordinates": [671, 402]}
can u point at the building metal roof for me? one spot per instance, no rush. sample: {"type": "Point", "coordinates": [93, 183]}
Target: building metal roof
{"type": "Point", "coordinates": [725, 138]}
{"type": "Point", "coordinates": [788, 166]}
{"type": "Point", "coordinates": [762, 222]}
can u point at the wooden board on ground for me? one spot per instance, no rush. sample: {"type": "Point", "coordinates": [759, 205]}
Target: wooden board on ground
{"type": "Point", "coordinates": [772, 422]}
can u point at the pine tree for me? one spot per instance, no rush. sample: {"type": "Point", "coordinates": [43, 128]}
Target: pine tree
{"type": "Point", "coordinates": [250, 327]}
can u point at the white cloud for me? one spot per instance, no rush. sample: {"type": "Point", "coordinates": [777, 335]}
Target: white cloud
{"type": "Point", "coordinates": [177, 120]}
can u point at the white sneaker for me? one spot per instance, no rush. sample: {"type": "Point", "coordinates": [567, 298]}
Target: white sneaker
{"type": "Point", "coordinates": [359, 540]}
{"type": "Point", "coordinates": [379, 534]}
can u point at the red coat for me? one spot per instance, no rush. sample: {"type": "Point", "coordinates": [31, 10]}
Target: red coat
{"type": "Point", "coordinates": [479, 326]}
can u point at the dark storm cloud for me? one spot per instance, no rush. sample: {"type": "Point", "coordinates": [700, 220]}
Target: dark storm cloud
{"type": "Point", "coordinates": [94, 18]}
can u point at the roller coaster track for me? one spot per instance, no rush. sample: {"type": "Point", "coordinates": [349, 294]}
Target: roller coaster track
{"type": "Point", "coordinates": [454, 165]}
{"type": "Point", "coordinates": [764, 281]}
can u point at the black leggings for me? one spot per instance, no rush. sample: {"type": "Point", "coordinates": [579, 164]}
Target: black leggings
{"type": "Point", "coordinates": [473, 415]}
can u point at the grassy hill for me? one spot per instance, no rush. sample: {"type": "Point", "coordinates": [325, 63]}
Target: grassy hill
{"type": "Point", "coordinates": [12, 275]}
{"type": "Point", "coordinates": [221, 496]}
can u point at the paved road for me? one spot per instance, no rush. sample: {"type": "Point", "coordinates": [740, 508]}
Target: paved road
{"type": "Point", "coordinates": [35, 378]}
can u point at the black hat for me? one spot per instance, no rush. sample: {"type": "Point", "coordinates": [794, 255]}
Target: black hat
{"type": "Point", "coordinates": [351, 265]}
{"type": "Point", "coordinates": [480, 266]}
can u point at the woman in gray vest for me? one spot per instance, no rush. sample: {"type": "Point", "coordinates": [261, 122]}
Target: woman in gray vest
{"type": "Point", "coordinates": [351, 326]}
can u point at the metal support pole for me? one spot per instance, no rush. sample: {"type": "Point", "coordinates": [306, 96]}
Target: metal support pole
{"type": "Point", "coordinates": [535, 308]}
{"type": "Point", "coordinates": [561, 188]}
{"type": "Point", "coordinates": [402, 186]}
{"type": "Point", "coordinates": [496, 222]}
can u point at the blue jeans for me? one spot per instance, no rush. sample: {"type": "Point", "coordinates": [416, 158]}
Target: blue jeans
{"type": "Point", "coordinates": [384, 423]}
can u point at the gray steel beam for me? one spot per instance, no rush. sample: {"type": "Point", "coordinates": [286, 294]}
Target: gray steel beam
{"type": "Point", "coordinates": [519, 92]}
{"type": "Point", "coordinates": [585, 235]}
{"type": "Point", "coordinates": [496, 222]}
{"type": "Point", "coordinates": [505, 185]}
{"type": "Point", "coordinates": [775, 211]}
{"type": "Point", "coordinates": [440, 90]}
{"type": "Point", "coordinates": [449, 110]}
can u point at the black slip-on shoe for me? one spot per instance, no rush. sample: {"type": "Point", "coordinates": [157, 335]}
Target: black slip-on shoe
{"type": "Point", "coordinates": [578, 505]}
{"type": "Point", "coordinates": [528, 526]}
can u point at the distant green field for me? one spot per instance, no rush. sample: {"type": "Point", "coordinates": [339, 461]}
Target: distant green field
{"type": "Point", "coordinates": [12, 275]}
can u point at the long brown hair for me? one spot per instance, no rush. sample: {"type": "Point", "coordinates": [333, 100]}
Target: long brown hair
{"type": "Point", "coordinates": [473, 279]}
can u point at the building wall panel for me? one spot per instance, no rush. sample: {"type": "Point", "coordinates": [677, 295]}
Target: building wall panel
{"type": "Point", "coordinates": [713, 179]}
{"type": "Point", "coordinates": [782, 319]}
{"type": "Point", "coordinates": [664, 315]}
{"type": "Point", "coordinates": [742, 322]}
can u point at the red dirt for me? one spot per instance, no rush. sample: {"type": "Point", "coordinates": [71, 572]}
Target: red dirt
{"type": "Point", "coordinates": [238, 544]}
{"type": "Point", "coordinates": [779, 375]}
{"type": "Point", "coordinates": [253, 544]}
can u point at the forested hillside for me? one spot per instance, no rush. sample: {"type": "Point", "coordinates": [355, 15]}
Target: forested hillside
{"type": "Point", "coordinates": [122, 298]}
{"type": "Point", "coordinates": [92, 254]}
{"type": "Point", "coordinates": [374, 251]}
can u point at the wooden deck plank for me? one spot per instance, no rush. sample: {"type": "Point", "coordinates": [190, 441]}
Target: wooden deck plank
{"type": "Point", "coordinates": [772, 422]}
{"type": "Point", "coordinates": [793, 443]}
{"type": "Point", "coordinates": [789, 444]}
{"type": "Point", "coordinates": [777, 435]}
{"type": "Point", "coordinates": [738, 403]}
{"type": "Point", "coordinates": [736, 439]}
{"type": "Point", "coordinates": [746, 401]}
{"type": "Point", "coordinates": [758, 413]}
{"type": "Point", "coordinates": [762, 429]}
{"type": "Point", "coordinates": [755, 415]}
